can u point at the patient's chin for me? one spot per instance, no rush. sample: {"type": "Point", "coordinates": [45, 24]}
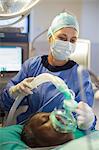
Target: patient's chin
{"type": "Point", "coordinates": [59, 140]}
{"type": "Point", "coordinates": [44, 141]}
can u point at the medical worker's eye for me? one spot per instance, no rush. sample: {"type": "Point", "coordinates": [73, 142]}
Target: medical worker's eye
{"type": "Point", "coordinates": [62, 38]}
{"type": "Point", "coordinates": [73, 40]}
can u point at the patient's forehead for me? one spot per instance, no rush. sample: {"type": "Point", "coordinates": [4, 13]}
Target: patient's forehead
{"type": "Point", "coordinates": [39, 118]}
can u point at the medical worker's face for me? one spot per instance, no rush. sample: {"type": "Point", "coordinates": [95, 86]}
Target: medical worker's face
{"type": "Point", "coordinates": [45, 134]}
{"type": "Point", "coordinates": [62, 45]}
{"type": "Point", "coordinates": [65, 34]}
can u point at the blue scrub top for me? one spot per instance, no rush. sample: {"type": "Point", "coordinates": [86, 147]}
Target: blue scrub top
{"type": "Point", "coordinates": [47, 92]}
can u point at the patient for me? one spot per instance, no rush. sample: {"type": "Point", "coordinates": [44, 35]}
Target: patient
{"type": "Point", "coordinates": [39, 132]}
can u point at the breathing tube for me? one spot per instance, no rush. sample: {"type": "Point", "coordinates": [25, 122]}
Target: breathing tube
{"type": "Point", "coordinates": [69, 104]}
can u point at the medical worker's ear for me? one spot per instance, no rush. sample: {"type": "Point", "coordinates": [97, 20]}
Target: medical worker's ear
{"type": "Point", "coordinates": [50, 39]}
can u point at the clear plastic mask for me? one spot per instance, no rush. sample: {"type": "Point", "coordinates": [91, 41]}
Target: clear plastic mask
{"type": "Point", "coordinates": [62, 119]}
{"type": "Point", "coordinates": [62, 122]}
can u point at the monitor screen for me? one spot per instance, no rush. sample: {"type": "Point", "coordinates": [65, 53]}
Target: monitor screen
{"type": "Point", "coordinates": [10, 58]}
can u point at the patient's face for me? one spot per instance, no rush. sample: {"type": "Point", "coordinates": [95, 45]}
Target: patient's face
{"type": "Point", "coordinates": [41, 128]}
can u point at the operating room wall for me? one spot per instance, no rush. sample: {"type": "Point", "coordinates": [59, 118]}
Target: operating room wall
{"type": "Point", "coordinates": [90, 30]}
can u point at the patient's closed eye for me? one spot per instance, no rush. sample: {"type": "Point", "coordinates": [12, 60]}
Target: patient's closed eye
{"type": "Point", "coordinates": [44, 119]}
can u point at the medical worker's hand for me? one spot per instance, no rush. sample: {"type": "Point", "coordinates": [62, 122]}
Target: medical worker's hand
{"type": "Point", "coordinates": [23, 88]}
{"type": "Point", "coordinates": [85, 116]}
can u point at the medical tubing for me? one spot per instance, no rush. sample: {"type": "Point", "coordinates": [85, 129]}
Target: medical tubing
{"type": "Point", "coordinates": [41, 108]}
{"type": "Point", "coordinates": [42, 78]}
{"type": "Point", "coordinates": [46, 77]}
{"type": "Point", "coordinates": [80, 77]}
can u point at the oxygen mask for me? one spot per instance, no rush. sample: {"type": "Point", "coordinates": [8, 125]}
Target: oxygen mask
{"type": "Point", "coordinates": [62, 119]}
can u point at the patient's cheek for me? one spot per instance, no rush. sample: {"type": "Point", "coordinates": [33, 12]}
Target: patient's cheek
{"type": "Point", "coordinates": [70, 137]}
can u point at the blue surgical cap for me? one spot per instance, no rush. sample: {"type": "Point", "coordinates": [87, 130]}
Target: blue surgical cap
{"type": "Point", "coordinates": [63, 20]}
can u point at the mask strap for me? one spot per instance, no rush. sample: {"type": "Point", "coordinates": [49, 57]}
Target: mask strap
{"type": "Point", "coordinates": [52, 34]}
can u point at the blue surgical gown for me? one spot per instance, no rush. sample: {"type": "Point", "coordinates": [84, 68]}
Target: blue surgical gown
{"type": "Point", "coordinates": [46, 97]}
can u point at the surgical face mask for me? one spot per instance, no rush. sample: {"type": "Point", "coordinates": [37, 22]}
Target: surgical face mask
{"type": "Point", "coordinates": [62, 50]}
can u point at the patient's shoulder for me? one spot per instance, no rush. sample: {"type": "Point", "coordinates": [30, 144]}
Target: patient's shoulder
{"type": "Point", "coordinates": [10, 137]}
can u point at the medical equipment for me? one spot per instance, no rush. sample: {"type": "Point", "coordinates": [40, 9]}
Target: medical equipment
{"type": "Point", "coordinates": [10, 58]}
{"type": "Point", "coordinates": [16, 9]}
{"type": "Point", "coordinates": [69, 103]}
{"type": "Point", "coordinates": [87, 132]}
{"type": "Point", "coordinates": [82, 54]}
{"type": "Point", "coordinates": [62, 119]}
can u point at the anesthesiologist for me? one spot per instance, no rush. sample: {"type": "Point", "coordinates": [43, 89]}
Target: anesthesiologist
{"type": "Point", "coordinates": [62, 36]}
